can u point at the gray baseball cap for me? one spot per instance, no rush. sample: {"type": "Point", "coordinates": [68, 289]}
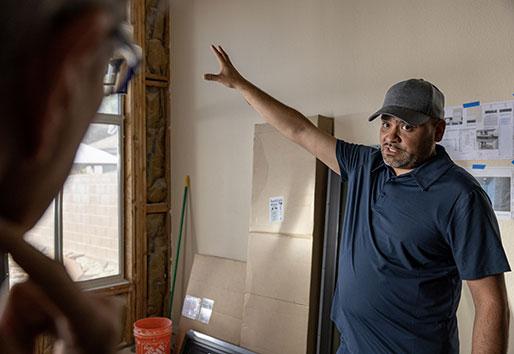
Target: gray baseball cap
{"type": "Point", "coordinates": [414, 101]}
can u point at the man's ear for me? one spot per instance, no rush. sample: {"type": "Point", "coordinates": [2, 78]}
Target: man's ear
{"type": "Point", "coordinates": [440, 126]}
{"type": "Point", "coordinates": [76, 44]}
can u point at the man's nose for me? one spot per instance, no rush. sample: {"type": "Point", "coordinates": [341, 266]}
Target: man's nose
{"type": "Point", "coordinates": [392, 135]}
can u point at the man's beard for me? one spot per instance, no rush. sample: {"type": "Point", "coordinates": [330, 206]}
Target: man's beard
{"type": "Point", "coordinates": [404, 159]}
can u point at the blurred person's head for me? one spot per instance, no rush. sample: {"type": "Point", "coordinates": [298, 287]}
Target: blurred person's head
{"type": "Point", "coordinates": [53, 60]}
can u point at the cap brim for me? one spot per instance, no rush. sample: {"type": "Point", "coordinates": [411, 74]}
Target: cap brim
{"type": "Point", "coordinates": [405, 114]}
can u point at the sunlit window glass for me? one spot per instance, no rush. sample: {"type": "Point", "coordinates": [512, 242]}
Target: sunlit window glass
{"type": "Point", "coordinates": [91, 206]}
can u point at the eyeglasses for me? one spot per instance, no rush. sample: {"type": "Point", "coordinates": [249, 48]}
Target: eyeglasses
{"type": "Point", "coordinates": [123, 64]}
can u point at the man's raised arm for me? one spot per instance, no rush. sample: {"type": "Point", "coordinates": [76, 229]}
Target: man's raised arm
{"type": "Point", "coordinates": [288, 121]}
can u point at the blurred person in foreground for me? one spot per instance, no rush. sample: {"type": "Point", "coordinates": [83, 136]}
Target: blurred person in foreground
{"type": "Point", "coordinates": [53, 60]}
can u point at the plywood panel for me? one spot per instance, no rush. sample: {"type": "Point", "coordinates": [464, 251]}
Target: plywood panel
{"type": "Point", "coordinates": [273, 326]}
{"type": "Point", "coordinates": [223, 281]}
{"type": "Point", "coordinates": [281, 169]}
{"type": "Point", "coordinates": [279, 267]}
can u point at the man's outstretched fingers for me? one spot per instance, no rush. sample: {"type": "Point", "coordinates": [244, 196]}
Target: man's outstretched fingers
{"type": "Point", "coordinates": [224, 54]}
{"type": "Point", "coordinates": [211, 77]}
{"type": "Point", "coordinates": [218, 54]}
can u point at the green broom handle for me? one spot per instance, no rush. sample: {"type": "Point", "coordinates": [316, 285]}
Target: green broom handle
{"type": "Point", "coordinates": [184, 199]}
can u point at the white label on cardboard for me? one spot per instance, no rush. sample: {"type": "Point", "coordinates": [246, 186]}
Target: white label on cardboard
{"type": "Point", "coordinates": [276, 209]}
{"type": "Point", "coordinates": [206, 310]}
{"type": "Point", "coordinates": [191, 308]}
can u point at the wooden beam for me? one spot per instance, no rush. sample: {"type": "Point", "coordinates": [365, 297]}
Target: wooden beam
{"type": "Point", "coordinates": [155, 83]}
{"type": "Point", "coordinates": [156, 77]}
{"type": "Point", "coordinates": [138, 167]}
{"type": "Point", "coordinates": [157, 208]}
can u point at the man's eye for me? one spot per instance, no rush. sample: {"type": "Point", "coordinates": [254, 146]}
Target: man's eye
{"type": "Point", "coordinates": [407, 127]}
{"type": "Point", "coordinates": [385, 125]}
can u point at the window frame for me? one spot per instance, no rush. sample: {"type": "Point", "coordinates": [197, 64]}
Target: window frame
{"type": "Point", "coordinates": [112, 281]}
{"type": "Point", "coordinates": [120, 278]}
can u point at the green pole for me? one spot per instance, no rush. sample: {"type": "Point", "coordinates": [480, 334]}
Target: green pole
{"type": "Point", "coordinates": [175, 263]}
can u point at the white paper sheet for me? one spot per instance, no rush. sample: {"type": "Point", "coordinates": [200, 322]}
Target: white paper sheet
{"type": "Point", "coordinates": [205, 310]}
{"type": "Point", "coordinates": [276, 209]}
{"type": "Point", "coordinates": [480, 132]}
{"type": "Point", "coordinates": [191, 307]}
{"type": "Point", "coordinates": [498, 183]}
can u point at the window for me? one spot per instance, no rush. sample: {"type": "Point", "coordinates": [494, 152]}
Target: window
{"type": "Point", "coordinates": [82, 227]}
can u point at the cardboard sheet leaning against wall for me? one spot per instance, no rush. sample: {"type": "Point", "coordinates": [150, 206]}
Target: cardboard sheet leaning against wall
{"type": "Point", "coordinates": [284, 170]}
{"type": "Point", "coordinates": [221, 280]}
{"type": "Point", "coordinates": [281, 254]}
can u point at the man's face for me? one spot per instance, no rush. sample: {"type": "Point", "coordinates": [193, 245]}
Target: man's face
{"type": "Point", "coordinates": [406, 146]}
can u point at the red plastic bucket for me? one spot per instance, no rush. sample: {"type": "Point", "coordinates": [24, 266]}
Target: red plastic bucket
{"type": "Point", "coordinates": [152, 335]}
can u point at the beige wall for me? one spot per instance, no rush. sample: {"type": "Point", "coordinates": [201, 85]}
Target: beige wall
{"type": "Point", "coordinates": [327, 57]}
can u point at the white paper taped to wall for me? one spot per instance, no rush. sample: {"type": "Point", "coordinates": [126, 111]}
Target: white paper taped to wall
{"type": "Point", "coordinates": [206, 310]}
{"type": "Point", "coordinates": [191, 307]}
{"type": "Point", "coordinates": [480, 132]}
{"type": "Point", "coordinates": [498, 183]}
{"type": "Point", "coordinates": [196, 308]}
{"type": "Point", "coordinates": [276, 209]}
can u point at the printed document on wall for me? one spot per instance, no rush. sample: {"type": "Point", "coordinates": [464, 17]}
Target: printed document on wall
{"type": "Point", "coordinates": [460, 135]}
{"type": "Point", "coordinates": [495, 134]}
{"type": "Point", "coordinates": [498, 183]}
{"type": "Point", "coordinates": [480, 132]}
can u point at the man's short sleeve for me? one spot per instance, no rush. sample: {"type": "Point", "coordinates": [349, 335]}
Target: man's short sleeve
{"type": "Point", "coordinates": [474, 237]}
{"type": "Point", "coordinates": [351, 156]}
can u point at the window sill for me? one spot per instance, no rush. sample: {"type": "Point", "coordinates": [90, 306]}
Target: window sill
{"type": "Point", "coordinates": [120, 286]}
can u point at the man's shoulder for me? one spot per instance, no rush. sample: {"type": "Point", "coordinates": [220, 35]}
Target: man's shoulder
{"type": "Point", "coordinates": [356, 148]}
{"type": "Point", "coordinates": [353, 156]}
{"type": "Point", "coordinates": [462, 178]}
{"type": "Point", "coordinates": [461, 184]}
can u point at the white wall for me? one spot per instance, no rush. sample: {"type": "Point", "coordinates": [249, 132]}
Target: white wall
{"type": "Point", "coordinates": [328, 57]}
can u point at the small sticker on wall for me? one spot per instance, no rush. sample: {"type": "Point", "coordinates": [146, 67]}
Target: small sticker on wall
{"type": "Point", "coordinates": [191, 307]}
{"type": "Point", "coordinates": [206, 310]}
{"type": "Point", "coordinates": [276, 209]}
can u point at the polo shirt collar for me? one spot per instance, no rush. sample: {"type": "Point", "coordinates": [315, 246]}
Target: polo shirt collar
{"type": "Point", "coordinates": [429, 172]}
{"type": "Point", "coordinates": [426, 174]}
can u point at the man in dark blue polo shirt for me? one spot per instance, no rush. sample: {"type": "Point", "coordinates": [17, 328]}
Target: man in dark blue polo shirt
{"type": "Point", "coordinates": [416, 225]}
